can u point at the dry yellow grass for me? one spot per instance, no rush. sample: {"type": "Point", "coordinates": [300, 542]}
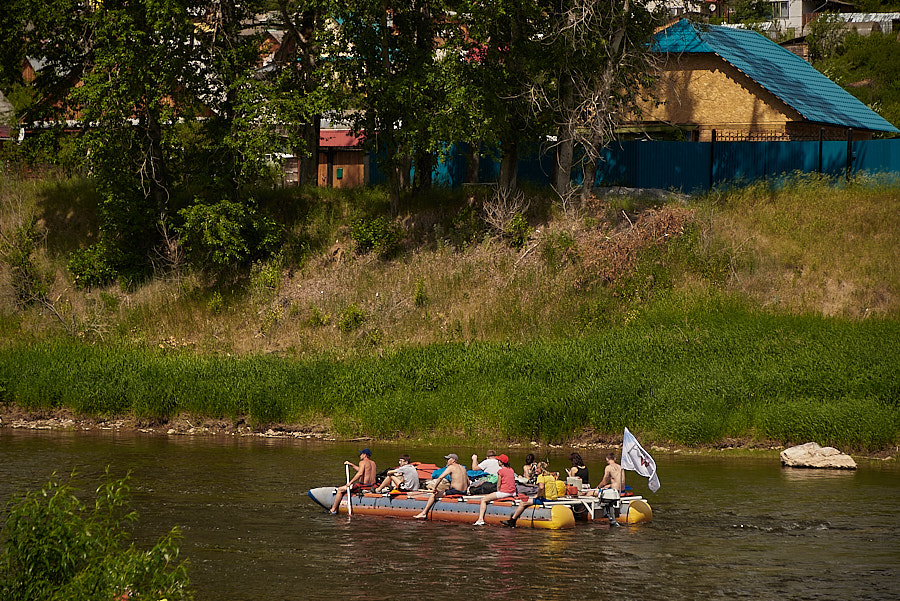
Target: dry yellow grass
{"type": "Point", "coordinates": [809, 247]}
{"type": "Point", "coordinates": [813, 248]}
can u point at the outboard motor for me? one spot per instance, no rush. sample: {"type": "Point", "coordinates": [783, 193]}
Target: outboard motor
{"type": "Point", "coordinates": [610, 504]}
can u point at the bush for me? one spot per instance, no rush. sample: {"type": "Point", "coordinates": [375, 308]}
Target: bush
{"type": "Point", "coordinates": [265, 276]}
{"type": "Point", "coordinates": [317, 317]}
{"type": "Point", "coordinates": [557, 248]}
{"type": "Point", "coordinates": [89, 267]}
{"type": "Point", "coordinates": [55, 547]}
{"type": "Point", "coordinates": [420, 296]}
{"type": "Point", "coordinates": [216, 303]}
{"type": "Point", "coordinates": [379, 234]}
{"type": "Point", "coordinates": [351, 318]}
{"type": "Point", "coordinates": [18, 245]}
{"type": "Point", "coordinates": [227, 233]}
{"type": "Point", "coordinates": [517, 231]}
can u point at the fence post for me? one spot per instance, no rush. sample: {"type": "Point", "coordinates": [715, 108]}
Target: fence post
{"type": "Point", "coordinates": [849, 151]}
{"type": "Point", "coordinates": [712, 158]}
{"type": "Point", "coordinates": [821, 139]}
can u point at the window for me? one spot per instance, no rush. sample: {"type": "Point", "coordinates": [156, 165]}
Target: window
{"type": "Point", "coordinates": [780, 10]}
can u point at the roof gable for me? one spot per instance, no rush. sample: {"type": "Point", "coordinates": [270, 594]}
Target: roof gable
{"type": "Point", "coordinates": [793, 80]}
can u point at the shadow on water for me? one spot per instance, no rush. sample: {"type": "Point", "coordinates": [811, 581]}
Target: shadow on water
{"type": "Point", "coordinates": [724, 528]}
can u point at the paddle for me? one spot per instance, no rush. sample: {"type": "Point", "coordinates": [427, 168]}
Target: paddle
{"type": "Point", "coordinates": [349, 496]}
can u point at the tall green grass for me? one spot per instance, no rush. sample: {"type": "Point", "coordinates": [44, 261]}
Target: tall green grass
{"type": "Point", "coordinates": [692, 376]}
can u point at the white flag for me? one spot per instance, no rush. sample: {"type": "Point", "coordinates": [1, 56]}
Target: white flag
{"type": "Point", "coordinates": [635, 458]}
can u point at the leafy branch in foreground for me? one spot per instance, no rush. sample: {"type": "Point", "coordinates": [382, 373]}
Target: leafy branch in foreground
{"type": "Point", "coordinates": [57, 547]}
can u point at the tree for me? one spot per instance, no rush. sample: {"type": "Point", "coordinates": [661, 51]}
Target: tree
{"type": "Point", "coordinates": [298, 67]}
{"type": "Point", "coordinates": [126, 111]}
{"type": "Point", "coordinates": [869, 68]}
{"type": "Point", "coordinates": [172, 110]}
{"type": "Point", "coordinates": [385, 56]}
{"type": "Point", "coordinates": [825, 36]}
{"type": "Point", "coordinates": [507, 52]}
{"type": "Point", "coordinates": [601, 63]}
{"type": "Point", "coordinates": [56, 547]}
{"type": "Point", "coordinates": [752, 12]}
{"type": "Point", "coordinates": [94, 73]}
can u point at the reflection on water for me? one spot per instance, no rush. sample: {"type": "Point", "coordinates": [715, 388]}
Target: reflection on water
{"type": "Point", "coordinates": [798, 474]}
{"type": "Point", "coordinates": [724, 529]}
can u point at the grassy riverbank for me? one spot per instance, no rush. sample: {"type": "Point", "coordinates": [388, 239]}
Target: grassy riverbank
{"type": "Point", "coordinates": [761, 313]}
{"type": "Point", "coordinates": [711, 373]}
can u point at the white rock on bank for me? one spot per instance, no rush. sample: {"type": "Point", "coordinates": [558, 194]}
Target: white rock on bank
{"type": "Point", "coordinates": [813, 455]}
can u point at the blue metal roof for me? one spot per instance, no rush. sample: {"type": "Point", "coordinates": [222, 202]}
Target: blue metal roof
{"type": "Point", "coordinates": [781, 72]}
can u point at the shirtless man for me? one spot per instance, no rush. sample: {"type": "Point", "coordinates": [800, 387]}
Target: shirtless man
{"type": "Point", "coordinates": [365, 477]}
{"type": "Point", "coordinates": [459, 483]}
{"type": "Point", "coordinates": [613, 476]}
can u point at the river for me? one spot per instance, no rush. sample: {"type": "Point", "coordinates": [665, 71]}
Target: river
{"type": "Point", "coordinates": [724, 527]}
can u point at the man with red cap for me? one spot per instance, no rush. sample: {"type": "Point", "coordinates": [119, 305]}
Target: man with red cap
{"type": "Point", "coordinates": [506, 487]}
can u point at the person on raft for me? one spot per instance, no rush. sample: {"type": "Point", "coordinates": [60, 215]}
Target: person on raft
{"type": "Point", "coordinates": [364, 478]}
{"type": "Point", "coordinates": [459, 483]}
{"type": "Point", "coordinates": [506, 487]}
{"type": "Point", "coordinates": [578, 469]}
{"type": "Point", "coordinates": [547, 491]}
{"type": "Point", "coordinates": [404, 477]}
{"type": "Point", "coordinates": [613, 477]}
{"type": "Point", "coordinates": [528, 474]}
{"type": "Point", "coordinates": [491, 464]}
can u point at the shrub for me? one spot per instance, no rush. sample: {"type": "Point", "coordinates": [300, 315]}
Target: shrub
{"type": "Point", "coordinates": [351, 318]}
{"type": "Point", "coordinates": [379, 234]}
{"type": "Point", "coordinates": [265, 276]}
{"type": "Point", "coordinates": [18, 245]}
{"type": "Point", "coordinates": [216, 303]}
{"type": "Point", "coordinates": [90, 267]}
{"type": "Point", "coordinates": [557, 248]}
{"type": "Point", "coordinates": [227, 233]}
{"type": "Point", "coordinates": [517, 231]}
{"type": "Point", "coordinates": [420, 296]}
{"type": "Point", "coordinates": [318, 317]}
{"type": "Point", "coordinates": [56, 547]}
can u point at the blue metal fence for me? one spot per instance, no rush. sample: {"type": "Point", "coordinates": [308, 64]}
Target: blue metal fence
{"type": "Point", "coordinates": [688, 166]}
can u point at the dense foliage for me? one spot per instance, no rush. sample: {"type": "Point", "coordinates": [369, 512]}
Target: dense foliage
{"type": "Point", "coordinates": [179, 109]}
{"type": "Point", "coordinates": [56, 547]}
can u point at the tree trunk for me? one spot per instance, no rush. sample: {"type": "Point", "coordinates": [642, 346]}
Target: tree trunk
{"type": "Point", "coordinates": [473, 161]}
{"type": "Point", "coordinates": [403, 166]}
{"type": "Point", "coordinates": [590, 174]}
{"type": "Point", "coordinates": [308, 157]}
{"type": "Point", "coordinates": [424, 169]}
{"type": "Point", "coordinates": [394, 185]}
{"type": "Point", "coordinates": [565, 150]}
{"type": "Point", "coordinates": [158, 173]}
{"type": "Point", "coordinates": [508, 166]}
{"type": "Point", "coordinates": [565, 140]}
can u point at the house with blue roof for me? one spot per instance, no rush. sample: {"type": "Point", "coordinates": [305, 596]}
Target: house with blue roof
{"type": "Point", "coordinates": [745, 87]}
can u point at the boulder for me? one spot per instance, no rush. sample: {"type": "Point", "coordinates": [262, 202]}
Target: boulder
{"type": "Point", "coordinates": [813, 455]}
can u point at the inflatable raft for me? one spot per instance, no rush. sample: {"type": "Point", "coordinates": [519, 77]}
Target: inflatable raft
{"type": "Point", "coordinates": [554, 515]}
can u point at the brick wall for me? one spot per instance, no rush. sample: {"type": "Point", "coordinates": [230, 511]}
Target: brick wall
{"type": "Point", "coordinates": [704, 91]}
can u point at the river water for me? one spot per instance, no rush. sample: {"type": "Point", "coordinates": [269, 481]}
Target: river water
{"type": "Point", "coordinates": [724, 528]}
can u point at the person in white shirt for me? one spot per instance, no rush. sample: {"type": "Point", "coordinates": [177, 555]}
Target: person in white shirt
{"type": "Point", "coordinates": [404, 477]}
{"type": "Point", "coordinates": [489, 465]}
